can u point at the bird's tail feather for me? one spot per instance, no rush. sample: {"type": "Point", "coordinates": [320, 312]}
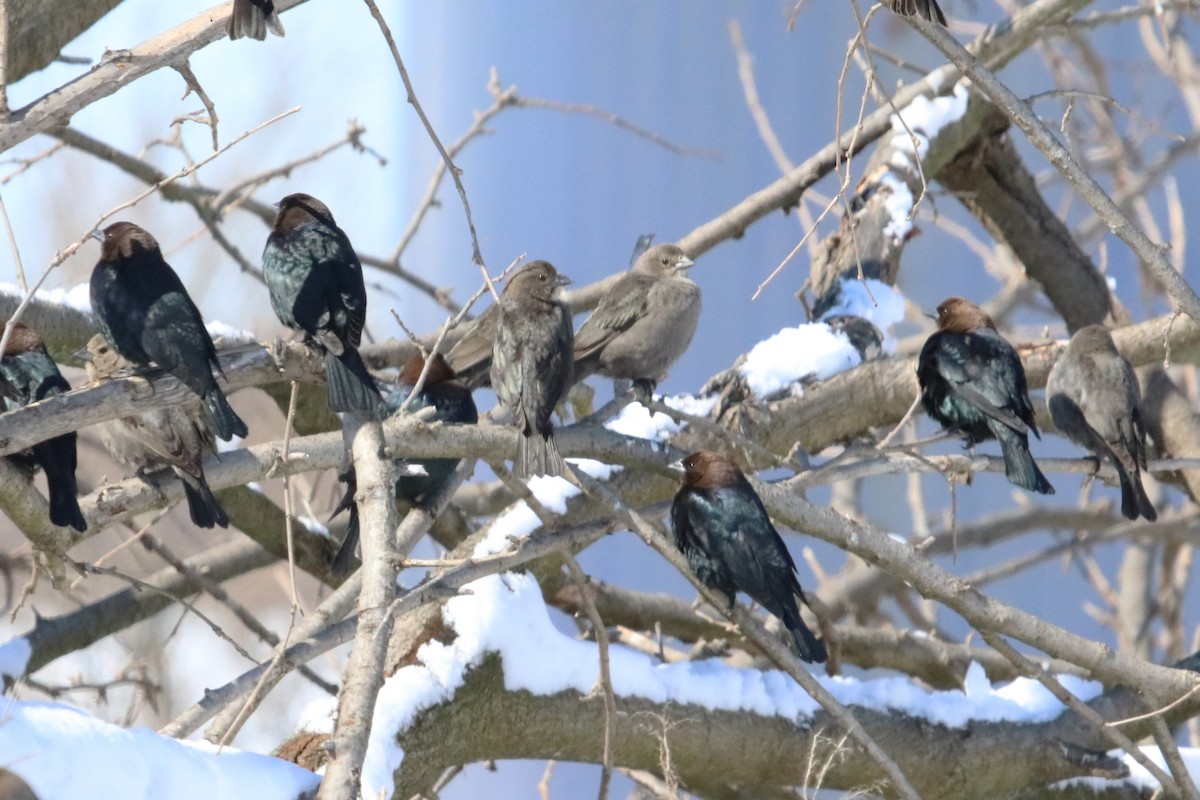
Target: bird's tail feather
{"type": "Point", "coordinates": [64, 505]}
{"type": "Point", "coordinates": [205, 510]}
{"type": "Point", "coordinates": [247, 20]}
{"type": "Point", "coordinates": [1134, 501]}
{"type": "Point", "coordinates": [809, 647]}
{"type": "Point", "coordinates": [537, 455]}
{"type": "Point", "coordinates": [351, 387]}
{"type": "Point", "coordinates": [225, 422]}
{"type": "Point", "coordinates": [340, 564]}
{"type": "Point", "coordinates": [1019, 466]}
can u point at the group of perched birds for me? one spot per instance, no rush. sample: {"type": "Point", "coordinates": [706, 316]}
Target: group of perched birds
{"type": "Point", "coordinates": [525, 346]}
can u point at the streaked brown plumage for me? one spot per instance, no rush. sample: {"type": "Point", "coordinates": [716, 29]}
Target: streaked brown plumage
{"type": "Point", "coordinates": [1095, 400]}
{"type": "Point", "coordinates": [929, 9]}
{"type": "Point", "coordinates": [252, 19]}
{"type": "Point", "coordinates": [531, 362]}
{"type": "Point", "coordinates": [175, 437]}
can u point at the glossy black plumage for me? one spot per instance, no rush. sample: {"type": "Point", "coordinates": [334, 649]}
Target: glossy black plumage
{"type": "Point", "coordinates": [531, 362]}
{"type": "Point", "coordinates": [452, 404]}
{"type": "Point", "coordinates": [175, 437]}
{"type": "Point", "coordinates": [1095, 400]}
{"type": "Point", "coordinates": [644, 323]}
{"type": "Point", "coordinates": [316, 285]}
{"type": "Point", "coordinates": [28, 374]}
{"type": "Point", "coordinates": [972, 383]}
{"type": "Point", "coordinates": [252, 19]}
{"type": "Point", "coordinates": [723, 530]}
{"type": "Point", "coordinates": [146, 314]}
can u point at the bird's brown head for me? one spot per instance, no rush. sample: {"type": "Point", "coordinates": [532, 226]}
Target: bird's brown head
{"type": "Point", "coordinates": [439, 372]}
{"type": "Point", "coordinates": [663, 259]}
{"type": "Point", "coordinates": [297, 209]}
{"type": "Point", "coordinates": [706, 469]}
{"type": "Point", "coordinates": [24, 339]}
{"type": "Point", "coordinates": [539, 280]}
{"type": "Point", "coordinates": [100, 359]}
{"type": "Point", "coordinates": [123, 240]}
{"type": "Point", "coordinates": [957, 315]}
{"type": "Point", "coordinates": [1092, 339]}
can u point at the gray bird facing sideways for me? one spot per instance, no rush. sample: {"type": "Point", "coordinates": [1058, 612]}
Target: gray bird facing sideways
{"type": "Point", "coordinates": [531, 362]}
{"type": "Point", "coordinates": [175, 437]}
{"type": "Point", "coordinates": [645, 322]}
{"type": "Point", "coordinates": [1095, 400]}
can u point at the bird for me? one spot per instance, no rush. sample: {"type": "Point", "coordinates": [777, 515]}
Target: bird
{"type": "Point", "coordinates": [316, 286]}
{"type": "Point", "coordinates": [28, 374]}
{"type": "Point", "coordinates": [929, 9]}
{"type": "Point", "coordinates": [452, 404]}
{"type": "Point", "coordinates": [723, 531]}
{"type": "Point", "coordinates": [253, 18]}
{"type": "Point", "coordinates": [471, 356]}
{"type": "Point", "coordinates": [644, 323]}
{"type": "Point", "coordinates": [531, 362]}
{"type": "Point", "coordinates": [1095, 400]}
{"type": "Point", "coordinates": [174, 436]}
{"type": "Point", "coordinates": [146, 314]}
{"type": "Point", "coordinates": [972, 383]}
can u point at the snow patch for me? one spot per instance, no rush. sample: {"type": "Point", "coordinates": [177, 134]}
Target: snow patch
{"type": "Point", "coordinates": [220, 330]}
{"type": "Point", "coordinates": [1139, 776]}
{"type": "Point", "coordinates": [780, 360]}
{"type": "Point", "coordinates": [14, 657]}
{"type": "Point", "coordinates": [636, 420]}
{"type": "Point", "coordinates": [78, 297]}
{"type": "Point", "coordinates": [64, 752]}
{"type": "Point", "coordinates": [925, 117]}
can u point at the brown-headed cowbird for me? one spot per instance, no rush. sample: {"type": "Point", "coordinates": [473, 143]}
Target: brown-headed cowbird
{"type": "Point", "coordinates": [531, 362]}
{"type": "Point", "coordinates": [471, 356]}
{"type": "Point", "coordinates": [723, 530]}
{"type": "Point", "coordinates": [1095, 400]}
{"type": "Point", "coordinates": [173, 436]}
{"type": "Point", "coordinates": [28, 374]}
{"type": "Point", "coordinates": [253, 18]}
{"type": "Point", "coordinates": [452, 404]}
{"type": "Point", "coordinates": [929, 9]}
{"type": "Point", "coordinates": [316, 285]}
{"type": "Point", "coordinates": [644, 323]}
{"type": "Point", "coordinates": [972, 383]}
{"type": "Point", "coordinates": [147, 316]}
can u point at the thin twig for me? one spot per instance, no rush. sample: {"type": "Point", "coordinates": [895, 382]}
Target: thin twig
{"type": "Point", "coordinates": [606, 687]}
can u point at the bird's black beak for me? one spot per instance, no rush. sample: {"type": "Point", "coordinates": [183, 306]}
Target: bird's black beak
{"type": "Point", "coordinates": [677, 467]}
{"type": "Point", "coordinates": [83, 354]}
{"type": "Point", "coordinates": [98, 235]}
{"type": "Point", "coordinates": [683, 264]}
{"type": "Point", "coordinates": [562, 280]}
{"type": "Point", "coordinates": [933, 316]}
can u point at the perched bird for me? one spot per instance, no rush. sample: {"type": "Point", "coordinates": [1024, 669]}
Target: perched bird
{"type": "Point", "coordinates": [929, 9]}
{"type": "Point", "coordinates": [145, 313]}
{"type": "Point", "coordinates": [28, 374]}
{"type": "Point", "coordinates": [724, 532]}
{"type": "Point", "coordinates": [471, 356]}
{"type": "Point", "coordinates": [1095, 401]}
{"type": "Point", "coordinates": [452, 404]}
{"type": "Point", "coordinates": [253, 18]}
{"type": "Point", "coordinates": [531, 362]}
{"type": "Point", "coordinates": [173, 436]}
{"type": "Point", "coordinates": [316, 286]}
{"type": "Point", "coordinates": [644, 323]}
{"type": "Point", "coordinates": [972, 383]}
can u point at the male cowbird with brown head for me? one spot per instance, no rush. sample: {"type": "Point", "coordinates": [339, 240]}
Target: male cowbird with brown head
{"type": "Point", "coordinates": [644, 323]}
{"type": "Point", "coordinates": [1095, 400]}
{"type": "Point", "coordinates": [253, 18]}
{"type": "Point", "coordinates": [972, 383]}
{"type": "Point", "coordinates": [531, 362]}
{"type": "Point", "coordinates": [175, 437]}
{"type": "Point", "coordinates": [316, 285]}
{"type": "Point", "coordinates": [452, 404]}
{"type": "Point", "coordinates": [727, 537]}
{"type": "Point", "coordinates": [28, 374]}
{"type": "Point", "coordinates": [147, 316]}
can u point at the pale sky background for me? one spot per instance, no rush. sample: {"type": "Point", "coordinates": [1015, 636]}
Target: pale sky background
{"type": "Point", "coordinates": [572, 189]}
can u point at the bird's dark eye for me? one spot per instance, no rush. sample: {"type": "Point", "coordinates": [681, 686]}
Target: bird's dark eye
{"type": "Point", "coordinates": [542, 277]}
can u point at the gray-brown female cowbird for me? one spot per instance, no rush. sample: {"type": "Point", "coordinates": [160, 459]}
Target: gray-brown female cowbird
{"type": "Point", "coordinates": [929, 9]}
{"type": "Point", "coordinates": [28, 374]}
{"type": "Point", "coordinates": [724, 532]}
{"type": "Point", "coordinates": [316, 285]}
{"type": "Point", "coordinates": [146, 314]}
{"type": "Point", "coordinates": [972, 383]}
{"type": "Point", "coordinates": [174, 436]}
{"type": "Point", "coordinates": [452, 404]}
{"type": "Point", "coordinates": [1095, 401]}
{"type": "Point", "coordinates": [471, 356]}
{"type": "Point", "coordinates": [253, 18]}
{"type": "Point", "coordinates": [531, 362]}
{"type": "Point", "coordinates": [645, 322]}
